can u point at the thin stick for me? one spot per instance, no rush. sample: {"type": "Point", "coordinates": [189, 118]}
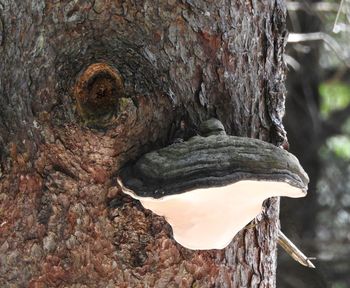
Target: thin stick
{"type": "Point", "coordinates": [335, 28]}
{"type": "Point", "coordinates": [320, 36]}
{"type": "Point", "coordinates": [293, 251]}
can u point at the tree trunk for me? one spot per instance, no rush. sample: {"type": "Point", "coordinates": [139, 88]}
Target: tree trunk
{"type": "Point", "coordinates": [63, 220]}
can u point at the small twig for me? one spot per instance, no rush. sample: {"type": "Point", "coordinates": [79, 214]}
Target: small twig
{"type": "Point", "coordinates": [292, 62]}
{"type": "Point", "coordinates": [319, 6]}
{"type": "Point", "coordinates": [336, 26]}
{"type": "Point", "coordinates": [293, 251]}
{"type": "Point", "coordinates": [319, 36]}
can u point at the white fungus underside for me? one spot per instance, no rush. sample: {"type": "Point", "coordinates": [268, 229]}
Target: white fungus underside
{"type": "Point", "coordinates": [209, 218]}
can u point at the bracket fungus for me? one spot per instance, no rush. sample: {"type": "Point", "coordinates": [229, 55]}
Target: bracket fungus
{"type": "Point", "coordinates": [209, 187]}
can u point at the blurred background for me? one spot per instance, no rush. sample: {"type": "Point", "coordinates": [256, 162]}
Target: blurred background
{"type": "Point", "coordinates": [318, 126]}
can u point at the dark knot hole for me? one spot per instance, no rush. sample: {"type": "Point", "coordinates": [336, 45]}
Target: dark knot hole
{"type": "Point", "coordinates": [97, 92]}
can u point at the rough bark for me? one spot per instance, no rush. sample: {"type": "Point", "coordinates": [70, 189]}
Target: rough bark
{"type": "Point", "coordinates": [63, 222]}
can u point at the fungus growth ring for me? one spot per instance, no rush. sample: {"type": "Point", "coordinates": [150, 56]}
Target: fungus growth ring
{"type": "Point", "coordinates": [209, 188]}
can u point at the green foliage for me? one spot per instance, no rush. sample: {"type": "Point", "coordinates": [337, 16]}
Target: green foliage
{"type": "Point", "coordinates": [339, 285]}
{"type": "Point", "coordinates": [334, 96]}
{"type": "Point", "coordinates": [339, 146]}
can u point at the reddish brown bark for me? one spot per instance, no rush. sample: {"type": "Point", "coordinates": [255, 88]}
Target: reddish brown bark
{"type": "Point", "coordinates": [64, 223]}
